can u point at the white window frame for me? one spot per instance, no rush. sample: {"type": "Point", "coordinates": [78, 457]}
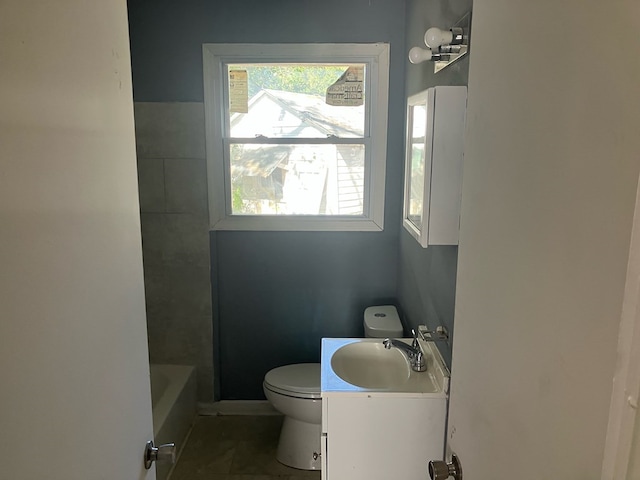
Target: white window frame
{"type": "Point", "coordinates": [375, 56]}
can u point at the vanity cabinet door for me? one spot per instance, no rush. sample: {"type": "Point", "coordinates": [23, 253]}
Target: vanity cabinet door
{"type": "Point", "coordinates": [323, 456]}
{"type": "Point", "coordinates": [382, 436]}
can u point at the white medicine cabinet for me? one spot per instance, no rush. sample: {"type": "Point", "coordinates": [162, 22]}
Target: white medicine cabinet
{"type": "Point", "coordinates": [433, 164]}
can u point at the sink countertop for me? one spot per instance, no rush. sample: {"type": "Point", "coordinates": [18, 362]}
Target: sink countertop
{"type": "Point", "coordinates": [433, 382]}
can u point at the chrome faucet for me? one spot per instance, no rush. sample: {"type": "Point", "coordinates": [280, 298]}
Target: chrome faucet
{"type": "Point", "coordinates": [413, 353]}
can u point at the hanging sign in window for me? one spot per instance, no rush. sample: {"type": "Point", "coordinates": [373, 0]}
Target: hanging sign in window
{"type": "Point", "coordinates": [348, 90]}
{"type": "Point", "coordinates": [238, 91]}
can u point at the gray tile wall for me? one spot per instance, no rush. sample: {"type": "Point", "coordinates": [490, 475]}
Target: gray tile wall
{"type": "Point", "coordinates": [175, 236]}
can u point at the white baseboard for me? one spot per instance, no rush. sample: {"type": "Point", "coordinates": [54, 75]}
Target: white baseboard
{"type": "Point", "coordinates": [237, 407]}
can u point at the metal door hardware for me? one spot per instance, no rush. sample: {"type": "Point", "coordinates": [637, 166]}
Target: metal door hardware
{"type": "Point", "coordinates": [439, 470]}
{"type": "Point", "coordinates": [166, 452]}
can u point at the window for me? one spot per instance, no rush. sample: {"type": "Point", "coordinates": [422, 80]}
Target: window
{"type": "Point", "coordinates": [296, 135]}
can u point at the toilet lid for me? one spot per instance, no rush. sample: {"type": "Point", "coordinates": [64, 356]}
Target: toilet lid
{"type": "Point", "coordinates": [298, 380]}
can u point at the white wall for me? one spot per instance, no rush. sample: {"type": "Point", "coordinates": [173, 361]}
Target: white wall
{"type": "Point", "coordinates": [552, 157]}
{"type": "Point", "coordinates": [634, 455]}
{"type": "Point", "coordinates": [74, 375]}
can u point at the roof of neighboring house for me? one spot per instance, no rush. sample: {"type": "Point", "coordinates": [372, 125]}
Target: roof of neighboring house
{"type": "Point", "coordinates": [341, 121]}
{"type": "Point", "coordinates": [260, 160]}
{"type": "Point", "coordinates": [331, 120]}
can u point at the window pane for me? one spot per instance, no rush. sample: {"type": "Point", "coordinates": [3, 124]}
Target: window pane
{"type": "Point", "coordinates": [289, 179]}
{"type": "Point", "coordinates": [296, 100]}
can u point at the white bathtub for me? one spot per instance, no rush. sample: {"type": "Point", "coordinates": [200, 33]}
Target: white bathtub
{"type": "Point", "coordinates": [173, 396]}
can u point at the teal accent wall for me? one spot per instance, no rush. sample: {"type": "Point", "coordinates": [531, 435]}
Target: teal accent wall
{"type": "Point", "coordinates": [276, 294]}
{"type": "Point", "coordinates": [427, 276]}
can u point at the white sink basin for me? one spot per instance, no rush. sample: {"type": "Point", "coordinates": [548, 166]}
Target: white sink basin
{"type": "Point", "coordinates": [364, 365]}
{"type": "Point", "coordinates": [370, 365]}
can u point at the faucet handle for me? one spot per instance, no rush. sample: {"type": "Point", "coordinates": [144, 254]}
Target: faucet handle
{"type": "Point", "coordinates": [415, 343]}
{"type": "Point", "coordinates": [439, 334]}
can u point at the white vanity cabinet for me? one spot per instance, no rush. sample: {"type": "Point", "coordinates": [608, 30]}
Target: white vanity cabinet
{"type": "Point", "coordinates": [376, 436]}
{"type": "Point", "coordinates": [370, 434]}
{"type": "Point", "coordinates": [433, 164]}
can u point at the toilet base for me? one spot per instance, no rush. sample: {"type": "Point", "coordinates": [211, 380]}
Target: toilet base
{"type": "Point", "coordinates": [299, 441]}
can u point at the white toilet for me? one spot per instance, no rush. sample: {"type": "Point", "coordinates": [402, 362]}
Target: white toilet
{"type": "Point", "coordinates": [294, 390]}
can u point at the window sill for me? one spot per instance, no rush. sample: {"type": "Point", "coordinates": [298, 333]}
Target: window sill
{"type": "Point", "coordinates": [298, 224]}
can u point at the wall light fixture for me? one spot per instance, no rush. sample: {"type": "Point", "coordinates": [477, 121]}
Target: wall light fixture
{"type": "Point", "coordinates": [444, 46]}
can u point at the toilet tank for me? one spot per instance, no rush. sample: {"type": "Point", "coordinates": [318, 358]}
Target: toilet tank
{"type": "Point", "coordinates": [382, 321]}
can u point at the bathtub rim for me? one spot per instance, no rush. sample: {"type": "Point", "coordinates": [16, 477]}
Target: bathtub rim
{"type": "Point", "coordinates": [178, 376]}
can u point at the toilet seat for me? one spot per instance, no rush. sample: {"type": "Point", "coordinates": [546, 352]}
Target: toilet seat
{"type": "Point", "coordinates": [301, 380]}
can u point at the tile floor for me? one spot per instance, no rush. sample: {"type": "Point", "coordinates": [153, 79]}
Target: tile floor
{"type": "Point", "coordinates": [231, 447]}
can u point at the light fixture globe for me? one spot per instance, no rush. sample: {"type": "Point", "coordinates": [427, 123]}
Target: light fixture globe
{"type": "Point", "coordinates": [444, 46]}
{"type": "Point", "coordinates": [434, 37]}
{"type": "Point", "coordinates": [419, 55]}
